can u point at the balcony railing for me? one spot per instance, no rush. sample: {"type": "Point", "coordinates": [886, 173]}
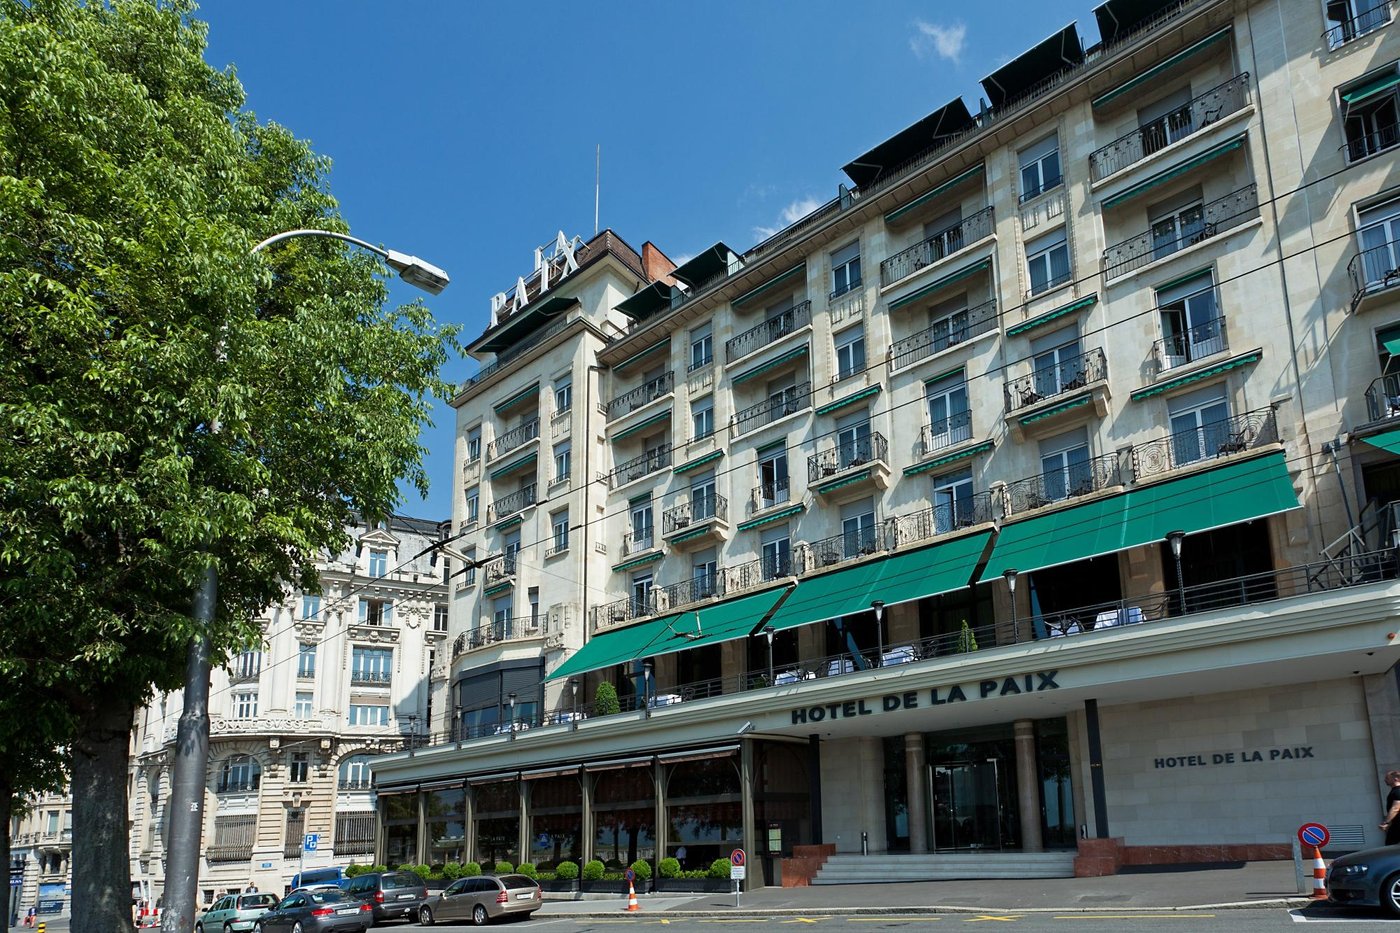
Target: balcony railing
{"type": "Point", "coordinates": [499, 630]}
{"type": "Point", "coordinates": [1383, 398]}
{"type": "Point", "coordinates": [944, 243]}
{"type": "Point", "coordinates": [1063, 378]}
{"type": "Point", "coordinates": [625, 610]}
{"type": "Point", "coordinates": [846, 455]}
{"type": "Point", "coordinates": [355, 784]}
{"type": "Point", "coordinates": [779, 405]}
{"type": "Point", "coordinates": [1362, 145]}
{"type": "Point", "coordinates": [949, 332]}
{"type": "Point", "coordinates": [946, 432]}
{"type": "Point", "coordinates": [644, 394]}
{"type": "Point", "coordinates": [513, 438]}
{"type": "Point", "coordinates": [370, 678]}
{"type": "Point", "coordinates": [837, 549]}
{"type": "Point", "coordinates": [1195, 343]}
{"type": "Point", "coordinates": [755, 573]}
{"type": "Point", "coordinates": [505, 357]}
{"type": "Point", "coordinates": [637, 467]}
{"type": "Point", "coordinates": [1072, 481]}
{"type": "Point", "coordinates": [1190, 227]}
{"type": "Point", "coordinates": [770, 494]}
{"type": "Point", "coordinates": [634, 542]}
{"type": "Point", "coordinates": [237, 786]}
{"type": "Point", "coordinates": [694, 510]}
{"type": "Point", "coordinates": [500, 570]}
{"type": "Point", "coordinates": [243, 675]}
{"type": "Point", "coordinates": [775, 328]}
{"type": "Point", "coordinates": [1196, 114]}
{"type": "Point", "coordinates": [1373, 270]}
{"type": "Point", "coordinates": [1209, 441]}
{"type": "Point", "coordinates": [944, 517]}
{"type": "Point", "coordinates": [508, 505]}
{"type": "Point", "coordinates": [694, 590]}
{"type": "Point", "coordinates": [1364, 22]}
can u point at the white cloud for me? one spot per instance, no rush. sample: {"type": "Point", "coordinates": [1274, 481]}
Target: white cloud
{"type": "Point", "coordinates": [790, 215]}
{"type": "Point", "coordinates": [945, 41]}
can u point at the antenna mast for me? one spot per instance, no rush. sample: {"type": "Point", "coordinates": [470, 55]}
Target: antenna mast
{"type": "Point", "coordinates": [597, 180]}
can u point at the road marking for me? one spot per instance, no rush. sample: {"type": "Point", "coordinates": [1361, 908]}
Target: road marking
{"type": "Point", "coordinates": [805, 920]}
{"type": "Point", "coordinates": [918, 919]}
{"type": "Point", "coordinates": [1172, 916]}
{"type": "Point", "coordinates": [990, 917]}
{"type": "Point", "coordinates": [1299, 917]}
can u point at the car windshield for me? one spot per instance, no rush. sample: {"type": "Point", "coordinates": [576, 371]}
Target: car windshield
{"type": "Point", "coordinates": [326, 897]}
{"type": "Point", "coordinates": [253, 901]}
{"type": "Point", "coordinates": [402, 879]}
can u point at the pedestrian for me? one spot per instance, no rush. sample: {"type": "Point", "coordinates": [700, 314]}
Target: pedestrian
{"type": "Point", "coordinates": [1392, 809]}
{"type": "Point", "coordinates": [29, 917]}
{"type": "Point", "coordinates": [251, 889]}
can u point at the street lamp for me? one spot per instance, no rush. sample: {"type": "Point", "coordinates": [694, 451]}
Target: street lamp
{"type": "Point", "coordinates": [1010, 576]}
{"type": "Point", "coordinates": [511, 700]}
{"type": "Point", "coordinates": [190, 770]}
{"type": "Point", "coordinates": [457, 722]}
{"type": "Point", "coordinates": [878, 606]}
{"type": "Point", "coordinates": [1174, 538]}
{"type": "Point", "coordinates": [768, 631]}
{"type": "Point", "coordinates": [573, 692]}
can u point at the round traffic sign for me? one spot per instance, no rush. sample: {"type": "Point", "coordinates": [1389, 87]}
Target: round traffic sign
{"type": "Point", "coordinates": [1313, 834]}
{"type": "Point", "coordinates": [736, 857]}
{"type": "Point", "coordinates": [630, 875]}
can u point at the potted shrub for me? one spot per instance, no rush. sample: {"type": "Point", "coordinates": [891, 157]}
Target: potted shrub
{"type": "Point", "coordinates": [565, 878]}
{"type": "Point", "coordinates": [605, 702]}
{"type": "Point", "coordinates": [471, 869]}
{"type": "Point", "coordinates": [594, 877]}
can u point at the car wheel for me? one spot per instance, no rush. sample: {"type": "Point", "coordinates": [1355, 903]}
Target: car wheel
{"type": "Point", "coordinates": [296, 927]}
{"type": "Point", "coordinates": [199, 928]}
{"type": "Point", "coordinates": [479, 916]}
{"type": "Point", "coordinates": [1390, 895]}
{"type": "Point", "coordinates": [257, 928]}
{"type": "Point", "coordinates": [425, 916]}
{"type": "Point", "coordinates": [228, 928]}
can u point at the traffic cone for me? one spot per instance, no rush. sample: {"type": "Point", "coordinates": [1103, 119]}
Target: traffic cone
{"type": "Point", "coordinates": [632, 897]}
{"type": "Point", "coordinates": [1319, 876]}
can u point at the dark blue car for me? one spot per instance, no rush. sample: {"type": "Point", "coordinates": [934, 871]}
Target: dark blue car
{"type": "Point", "coordinates": [1369, 878]}
{"type": "Point", "coordinates": [320, 911]}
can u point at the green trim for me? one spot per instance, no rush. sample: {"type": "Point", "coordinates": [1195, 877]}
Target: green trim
{"type": "Point", "coordinates": [1189, 378]}
{"type": "Point", "coordinates": [1156, 70]}
{"type": "Point", "coordinates": [1392, 346]}
{"type": "Point", "coordinates": [690, 535]}
{"type": "Point", "coordinates": [1050, 316]}
{"type": "Point", "coordinates": [512, 467]}
{"type": "Point", "coordinates": [955, 371]}
{"type": "Point", "coordinates": [1056, 409]}
{"type": "Point", "coordinates": [516, 399]}
{"type": "Point", "coordinates": [508, 522]}
{"type": "Point", "coordinates": [781, 277]}
{"type": "Point", "coordinates": [637, 562]}
{"type": "Point", "coordinates": [643, 424]}
{"type": "Point", "coordinates": [836, 484]}
{"type": "Point", "coordinates": [698, 462]}
{"type": "Point", "coordinates": [768, 448]}
{"type": "Point", "coordinates": [849, 400]}
{"type": "Point", "coordinates": [1388, 441]}
{"type": "Point", "coordinates": [947, 186]}
{"type": "Point", "coordinates": [777, 516]}
{"type": "Point", "coordinates": [1371, 89]}
{"type": "Point", "coordinates": [498, 588]}
{"type": "Point", "coordinates": [972, 451]}
{"type": "Point", "coordinates": [1142, 187]}
{"type": "Point", "coordinates": [944, 282]}
{"type": "Point", "coordinates": [641, 354]}
{"type": "Point", "coordinates": [1182, 279]}
{"type": "Point", "coordinates": [770, 365]}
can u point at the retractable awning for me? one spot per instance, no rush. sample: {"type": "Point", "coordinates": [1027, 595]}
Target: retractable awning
{"type": "Point", "coordinates": [1389, 441]}
{"type": "Point", "coordinates": [1031, 68]}
{"type": "Point", "coordinates": [706, 265]}
{"type": "Point", "coordinates": [525, 322]}
{"type": "Point", "coordinates": [647, 301]}
{"type": "Point", "coordinates": [947, 121]}
{"type": "Point", "coordinates": [790, 278]}
{"type": "Point", "coordinates": [1142, 187]}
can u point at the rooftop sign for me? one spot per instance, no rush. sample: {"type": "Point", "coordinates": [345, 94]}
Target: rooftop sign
{"type": "Point", "coordinates": [553, 263]}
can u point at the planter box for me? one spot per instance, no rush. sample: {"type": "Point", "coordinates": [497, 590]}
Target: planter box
{"type": "Point", "coordinates": [694, 885]}
{"type": "Point", "coordinates": [558, 886]}
{"type": "Point", "coordinates": [608, 887]}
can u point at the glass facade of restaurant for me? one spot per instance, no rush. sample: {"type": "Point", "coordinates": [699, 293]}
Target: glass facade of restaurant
{"type": "Point", "coordinates": [624, 816]}
{"type": "Point", "coordinates": [556, 820]}
{"type": "Point", "coordinates": [496, 815]}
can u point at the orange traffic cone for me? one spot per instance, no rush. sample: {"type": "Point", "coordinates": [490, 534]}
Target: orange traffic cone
{"type": "Point", "coordinates": [1319, 876]}
{"type": "Point", "coordinates": [632, 897]}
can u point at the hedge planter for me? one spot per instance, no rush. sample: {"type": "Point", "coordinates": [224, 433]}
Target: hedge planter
{"type": "Point", "coordinates": [558, 886]}
{"type": "Point", "coordinates": [694, 885]}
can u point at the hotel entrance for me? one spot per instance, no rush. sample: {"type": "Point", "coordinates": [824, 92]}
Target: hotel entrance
{"type": "Point", "coordinates": [970, 809]}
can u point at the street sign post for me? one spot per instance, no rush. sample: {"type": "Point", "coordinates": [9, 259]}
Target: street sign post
{"type": "Point", "coordinates": [1313, 834]}
{"type": "Point", "coordinates": [737, 871]}
{"type": "Point", "coordinates": [309, 842]}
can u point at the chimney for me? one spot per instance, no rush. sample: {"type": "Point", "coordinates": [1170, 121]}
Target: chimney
{"type": "Point", "coordinates": [656, 264]}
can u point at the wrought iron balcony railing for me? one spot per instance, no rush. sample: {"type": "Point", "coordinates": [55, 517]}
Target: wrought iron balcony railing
{"type": "Point", "coordinates": [1383, 398]}
{"type": "Point", "coordinates": [755, 573]}
{"type": "Point", "coordinates": [1196, 114]}
{"type": "Point", "coordinates": [692, 511]}
{"type": "Point", "coordinates": [642, 539]}
{"type": "Point", "coordinates": [1364, 22]}
{"type": "Point", "coordinates": [1211, 440]}
{"type": "Point", "coordinates": [949, 332]}
{"type": "Point", "coordinates": [513, 438]}
{"type": "Point", "coordinates": [837, 549]}
{"type": "Point", "coordinates": [1373, 270]}
{"type": "Point", "coordinates": [788, 402]}
{"type": "Point", "coordinates": [1190, 227]}
{"type": "Point", "coordinates": [1074, 480]}
{"type": "Point", "coordinates": [847, 454]}
{"type": "Point", "coordinates": [770, 494]}
{"type": "Point", "coordinates": [644, 394]}
{"type": "Point", "coordinates": [624, 610]}
{"type": "Point", "coordinates": [944, 517]}
{"type": "Point", "coordinates": [355, 784]}
{"type": "Point", "coordinates": [637, 467]}
{"type": "Point", "coordinates": [843, 290]}
{"type": "Point", "coordinates": [370, 678]}
{"type": "Point", "coordinates": [1362, 145]}
{"type": "Point", "coordinates": [940, 245]}
{"type": "Point", "coordinates": [775, 328]}
{"type": "Point", "coordinates": [517, 350]}
{"type": "Point", "coordinates": [509, 504]}
{"type": "Point", "coordinates": [1049, 382]}
{"type": "Point", "coordinates": [946, 432]}
{"type": "Point", "coordinates": [237, 786]}
{"type": "Point", "coordinates": [697, 589]}
{"type": "Point", "coordinates": [500, 570]}
{"type": "Point", "coordinates": [1195, 343]}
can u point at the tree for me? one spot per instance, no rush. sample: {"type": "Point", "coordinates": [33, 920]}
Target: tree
{"type": "Point", "coordinates": [133, 184]}
{"type": "Point", "coordinates": [605, 700]}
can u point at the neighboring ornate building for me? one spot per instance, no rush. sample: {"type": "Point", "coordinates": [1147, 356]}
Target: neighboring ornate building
{"type": "Point", "coordinates": [41, 848]}
{"type": "Point", "coordinates": [339, 678]}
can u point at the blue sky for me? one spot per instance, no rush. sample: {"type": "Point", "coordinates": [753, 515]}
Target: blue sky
{"type": "Point", "coordinates": [465, 132]}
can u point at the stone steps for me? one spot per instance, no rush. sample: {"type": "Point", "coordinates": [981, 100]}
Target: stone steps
{"type": "Point", "coordinates": [944, 866]}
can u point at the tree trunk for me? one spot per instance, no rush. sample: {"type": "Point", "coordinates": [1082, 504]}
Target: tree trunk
{"type": "Point", "coordinates": [101, 842]}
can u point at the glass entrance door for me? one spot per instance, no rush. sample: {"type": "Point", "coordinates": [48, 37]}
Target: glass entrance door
{"type": "Point", "coordinates": [967, 805]}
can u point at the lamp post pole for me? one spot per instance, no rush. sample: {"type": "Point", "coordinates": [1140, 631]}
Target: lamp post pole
{"type": "Point", "coordinates": [190, 771]}
{"type": "Point", "coordinates": [878, 606]}
{"type": "Point", "coordinates": [511, 700]}
{"type": "Point", "coordinates": [573, 693]}
{"type": "Point", "coordinates": [1010, 576]}
{"type": "Point", "coordinates": [768, 631]}
{"type": "Point", "coordinates": [1174, 538]}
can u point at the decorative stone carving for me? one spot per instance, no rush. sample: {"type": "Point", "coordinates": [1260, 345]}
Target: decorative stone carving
{"type": "Point", "coordinates": [375, 634]}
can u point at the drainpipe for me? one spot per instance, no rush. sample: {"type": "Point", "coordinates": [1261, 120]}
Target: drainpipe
{"type": "Point", "coordinates": [587, 490]}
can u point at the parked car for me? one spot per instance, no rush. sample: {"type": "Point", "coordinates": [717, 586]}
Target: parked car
{"type": "Point", "coordinates": [482, 899]}
{"type": "Point", "coordinates": [390, 894]}
{"type": "Point", "coordinates": [316, 912]}
{"type": "Point", "coordinates": [335, 874]}
{"type": "Point", "coordinates": [1369, 878]}
{"type": "Point", "coordinates": [235, 913]}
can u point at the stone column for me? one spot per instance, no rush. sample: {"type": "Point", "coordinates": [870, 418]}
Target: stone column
{"type": "Point", "coordinates": [916, 787]}
{"type": "Point", "coordinates": [1028, 787]}
{"type": "Point", "coordinates": [586, 782]}
{"type": "Point", "coordinates": [754, 877]}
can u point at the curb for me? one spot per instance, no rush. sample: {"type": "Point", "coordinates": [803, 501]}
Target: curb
{"type": "Point", "coordinates": [1271, 903]}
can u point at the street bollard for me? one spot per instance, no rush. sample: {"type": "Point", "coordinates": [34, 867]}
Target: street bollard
{"type": "Point", "coordinates": [864, 842]}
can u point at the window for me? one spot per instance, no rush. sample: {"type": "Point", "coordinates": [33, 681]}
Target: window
{"type": "Point", "coordinates": [1166, 120]}
{"type": "Point", "coordinates": [1380, 243]}
{"type": "Point", "coordinates": [702, 417]}
{"type": "Point", "coordinates": [367, 715]}
{"type": "Point", "coordinates": [702, 346]}
{"type": "Point", "coordinates": [53, 823]}
{"type": "Point", "coordinates": [1047, 261]}
{"type": "Point", "coordinates": [371, 666]}
{"type": "Point", "coordinates": [702, 496]}
{"type": "Point", "coordinates": [944, 235]}
{"type": "Point", "coordinates": [952, 501]}
{"type": "Point", "coordinates": [311, 607]}
{"type": "Point", "coordinates": [511, 549]}
{"type": "Point", "coordinates": [376, 612]}
{"type": "Point", "coordinates": [245, 704]}
{"type": "Point", "coordinates": [704, 574]}
{"type": "Point", "coordinates": [1350, 19]}
{"type": "Point", "coordinates": [559, 529]}
{"type": "Point", "coordinates": [1200, 424]}
{"type": "Point", "coordinates": [1177, 223]}
{"type": "Point", "coordinates": [533, 598]}
{"type": "Point", "coordinates": [299, 771]}
{"type": "Point", "coordinates": [473, 505]}
{"type": "Point", "coordinates": [474, 444]}
{"type": "Point", "coordinates": [1064, 466]}
{"type": "Point", "coordinates": [1057, 363]}
{"type": "Point", "coordinates": [563, 395]}
{"type": "Point", "coordinates": [240, 773]}
{"type": "Point", "coordinates": [948, 325]}
{"type": "Point", "coordinates": [563, 461]}
{"type": "Point", "coordinates": [440, 617]}
{"type": "Point", "coordinates": [858, 528]}
{"type": "Point", "coordinates": [378, 563]}
{"type": "Point", "coordinates": [853, 445]}
{"type": "Point", "coordinates": [949, 416]}
{"type": "Point", "coordinates": [247, 665]}
{"type": "Point", "coordinates": [642, 584]}
{"type": "Point", "coordinates": [303, 707]}
{"type": "Point", "coordinates": [776, 553]}
{"type": "Point", "coordinates": [845, 269]}
{"type": "Point", "coordinates": [1192, 327]}
{"type": "Point", "coordinates": [850, 352]}
{"type": "Point", "coordinates": [1040, 167]}
{"type": "Point", "coordinates": [306, 659]}
{"type": "Point", "coordinates": [502, 615]}
{"type": "Point", "coordinates": [643, 527]}
{"type": "Point", "coordinates": [469, 571]}
{"type": "Point", "coordinates": [772, 477]}
{"type": "Point", "coordinates": [783, 399]}
{"type": "Point", "coordinates": [355, 773]}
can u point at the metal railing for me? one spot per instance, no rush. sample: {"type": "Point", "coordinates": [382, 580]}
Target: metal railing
{"type": "Point", "coordinates": [847, 454]}
{"type": "Point", "coordinates": [1196, 114]}
{"type": "Point", "coordinates": [515, 351]}
{"type": "Point", "coordinates": [697, 589]}
{"type": "Point", "coordinates": [1363, 23]}
{"type": "Point", "coordinates": [770, 494]}
{"type": "Point", "coordinates": [359, 678]}
{"type": "Point", "coordinates": [511, 503]}
{"type": "Point", "coordinates": [944, 517]}
{"type": "Point", "coordinates": [1190, 227]}
{"type": "Point", "coordinates": [513, 438]}
{"type": "Point", "coordinates": [844, 290]}
{"type": "Point", "coordinates": [945, 432]}
{"type": "Point", "coordinates": [755, 573]}
{"type": "Point", "coordinates": [623, 610]}
{"type": "Point", "coordinates": [1374, 269]}
{"type": "Point", "coordinates": [637, 467]}
{"type": "Point", "coordinates": [1070, 482]}
{"type": "Point", "coordinates": [789, 402]}
{"type": "Point", "coordinates": [634, 542]}
{"type": "Point", "coordinates": [774, 328]}
{"type": "Point", "coordinates": [940, 245]}
{"type": "Point", "coordinates": [355, 784]}
{"type": "Point", "coordinates": [238, 786]}
{"type": "Point", "coordinates": [1363, 145]}
{"type": "Point", "coordinates": [837, 549]}
{"type": "Point", "coordinates": [1194, 343]}
{"type": "Point", "coordinates": [1383, 398]}
{"type": "Point", "coordinates": [1062, 378]}
{"type": "Point", "coordinates": [1213, 439]}
{"type": "Point", "coordinates": [694, 510]}
{"type": "Point", "coordinates": [499, 630]}
{"type": "Point", "coordinates": [948, 332]}
{"type": "Point", "coordinates": [500, 570]}
{"type": "Point", "coordinates": [642, 395]}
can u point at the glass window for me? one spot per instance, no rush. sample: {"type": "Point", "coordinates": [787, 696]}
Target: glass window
{"type": "Point", "coordinates": [559, 528]}
{"type": "Point", "coordinates": [240, 773]}
{"type": "Point", "coordinates": [303, 707]}
{"type": "Point", "coordinates": [850, 352]}
{"type": "Point", "coordinates": [563, 461]}
{"type": "Point", "coordinates": [248, 664]}
{"type": "Point", "coordinates": [776, 553]}
{"type": "Point", "coordinates": [563, 395]}
{"type": "Point", "coordinates": [371, 665]}
{"type": "Point", "coordinates": [474, 444]}
{"type": "Point", "coordinates": [949, 415]}
{"type": "Point", "coordinates": [853, 445]}
{"type": "Point", "coordinates": [376, 612]}
{"type": "Point", "coordinates": [702, 417]}
{"type": "Point", "coordinates": [845, 269]}
{"type": "Point", "coordinates": [1380, 243]}
{"type": "Point", "coordinates": [952, 501]}
{"type": "Point", "coordinates": [1177, 223]}
{"type": "Point", "coordinates": [1349, 19]}
{"type": "Point", "coordinates": [1166, 120]}
{"type": "Point", "coordinates": [772, 477]}
{"type": "Point", "coordinates": [642, 584]}
{"type": "Point", "coordinates": [368, 715]}
{"type": "Point", "coordinates": [355, 773]}
{"type": "Point", "coordinates": [378, 563]}
{"type": "Point", "coordinates": [1058, 365]}
{"type": "Point", "coordinates": [440, 617]}
{"type": "Point", "coordinates": [704, 573]}
{"type": "Point", "coordinates": [245, 704]}
{"type": "Point", "coordinates": [858, 527]}
{"type": "Point", "coordinates": [502, 615]}
{"type": "Point", "coordinates": [299, 770]}
{"type": "Point", "coordinates": [1192, 327]}
{"type": "Point", "coordinates": [306, 659]}
{"type": "Point", "coordinates": [702, 496]}
{"type": "Point", "coordinates": [643, 526]}
{"type": "Point", "coordinates": [1200, 424]}
{"type": "Point", "coordinates": [1040, 167]}
{"type": "Point", "coordinates": [311, 607]}
{"type": "Point", "coordinates": [1064, 465]}
{"type": "Point", "coordinates": [947, 325]}
{"type": "Point", "coordinates": [469, 571]}
{"type": "Point", "coordinates": [473, 505]}
{"type": "Point", "coordinates": [702, 346]}
{"type": "Point", "coordinates": [1047, 261]}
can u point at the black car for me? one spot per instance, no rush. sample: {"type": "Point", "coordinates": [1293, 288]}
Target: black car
{"type": "Point", "coordinates": [316, 912]}
{"type": "Point", "coordinates": [1369, 878]}
{"type": "Point", "coordinates": [390, 894]}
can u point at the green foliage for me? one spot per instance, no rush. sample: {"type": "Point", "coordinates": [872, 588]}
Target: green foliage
{"type": "Point", "coordinates": [452, 871]}
{"type": "Point", "coordinates": [669, 868]}
{"type": "Point", "coordinates": [423, 871]}
{"type": "Point", "coordinates": [406, 866]}
{"type": "Point", "coordinates": [566, 871]}
{"type": "Point", "coordinates": [643, 869]}
{"type": "Point", "coordinates": [503, 868]}
{"type": "Point", "coordinates": [471, 869]}
{"type": "Point", "coordinates": [719, 868]}
{"type": "Point", "coordinates": [605, 700]}
{"type": "Point", "coordinates": [593, 870]}
{"type": "Point", "coordinates": [527, 869]}
{"type": "Point", "coordinates": [967, 640]}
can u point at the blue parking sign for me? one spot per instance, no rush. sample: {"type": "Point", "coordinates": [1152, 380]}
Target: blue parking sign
{"type": "Point", "coordinates": [308, 843]}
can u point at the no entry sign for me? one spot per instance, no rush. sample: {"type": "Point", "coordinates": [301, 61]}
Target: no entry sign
{"type": "Point", "coordinates": [1313, 834]}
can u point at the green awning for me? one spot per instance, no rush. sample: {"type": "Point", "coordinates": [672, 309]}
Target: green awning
{"type": "Point", "coordinates": [944, 188]}
{"type": "Point", "coordinates": [942, 283]}
{"type": "Point", "coordinates": [836, 484]}
{"type": "Point", "coordinates": [510, 468]}
{"type": "Point", "coordinates": [772, 364]}
{"type": "Point", "coordinates": [768, 286]}
{"type": "Point", "coordinates": [928, 571]}
{"type": "Point", "coordinates": [1142, 187]}
{"type": "Point", "coordinates": [954, 457]}
{"type": "Point", "coordinates": [1182, 279]}
{"type": "Point", "coordinates": [642, 561]}
{"type": "Point", "coordinates": [698, 462]}
{"type": "Point", "coordinates": [777, 516]}
{"type": "Point", "coordinates": [1371, 88]}
{"type": "Point", "coordinates": [617, 646]}
{"type": "Point", "coordinates": [642, 354]}
{"type": "Point", "coordinates": [1388, 441]}
{"type": "Point", "coordinates": [1392, 346]}
{"type": "Point", "coordinates": [1237, 492]}
{"type": "Point", "coordinates": [841, 403]}
{"type": "Point", "coordinates": [1160, 68]}
{"type": "Point", "coordinates": [646, 302]}
{"type": "Point", "coordinates": [643, 425]}
{"type": "Point", "coordinates": [517, 398]}
{"type": "Point", "coordinates": [498, 588]}
{"type": "Point", "coordinates": [505, 523]}
{"type": "Point", "coordinates": [1056, 409]}
{"type": "Point", "coordinates": [1051, 316]}
{"type": "Point", "coordinates": [1170, 384]}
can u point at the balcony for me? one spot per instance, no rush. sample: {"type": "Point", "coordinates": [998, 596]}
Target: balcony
{"type": "Point", "coordinates": [698, 519]}
{"type": "Point", "coordinates": [945, 433]}
{"type": "Point", "coordinates": [1057, 381]}
{"type": "Point", "coordinates": [508, 505]}
{"type": "Point", "coordinates": [636, 542]}
{"type": "Point", "coordinates": [1383, 398]}
{"type": "Point", "coordinates": [1075, 480]}
{"type": "Point", "coordinates": [695, 590]}
{"type": "Point", "coordinates": [622, 611]}
{"type": "Point", "coordinates": [355, 784]}
{"type": "Point", "coordinates": [775, 328]}
{"type": "Point", "coordinates": [244, 675]}
{"type": "Point", "coordinates": [829, 468]}
{"type": "Point", "coordinates": [947, 333]}
{"type": "Point", "coordinates": [1364, 145]}
{"type": "Point", "coordinates": [516, 437]}
{"type": "Point", "coordinates": [756, 573]}
{"type": "Point", "coordinates": [789, 402]}
{"type": "Point", "coordinates": [1193, 116]}
{"type": "Point", "coordinates": [828, 552]}
{"type": "Point", "coordinates": [641, 396]}
{"type": "Point", "coordinates": [944, 518]}
{"type": "Point", "coordinates": [1363, 23]}
{"type": "Point", "coordinates": [634, 469]}
{"type": "Point", "coordinates": [370, 678]}
{"type": "Point", "coordinates": [1373, 271]}
{"type": "Point", "coordinates": [514, 352]}
{"type": "Point", "coordinates": [1187, 229]}
{"type": "Point", "coordinates": [770, 495]}
{"type": "Point", "coordinates": [237, 786]}
{"type": "Point", "coordinates": [941, 245]}
{"type": "Point", "coordinates": [501, 571]}
{"type": "Point", "coordinates": [1205, 444]}
{"type": "Point", "coordinates": [1193, 344]}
